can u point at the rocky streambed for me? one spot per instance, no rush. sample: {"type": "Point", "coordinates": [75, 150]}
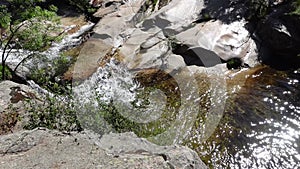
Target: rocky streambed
{"type": "Point", "coordinates": [173, 72]}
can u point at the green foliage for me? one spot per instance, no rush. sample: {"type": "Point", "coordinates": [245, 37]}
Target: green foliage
{"type": "Point", "coordinates": [234, 63]}
{"type": "Point", "coordinates": [9, 119]}
{"type": "Point", "coordinates": [35, 34]}
{"type": "Point", "coordinates": [4, 17]}
{"type": "Point", "coordinates": [53, 113]}
{"type": "Point", "coordinates": [7, 72]}
{"type": "Point", "coordinates": [83, 6]}
{"type": "Point", "coordinates": [115, 119]}
{"type": "Point", "coordinates": [296, 6]}
{"type": "Point", "coordinates": [26, 25]}
{"type": "Point", "coordinates": [46, 76]}
{"type": "Point", "coordinates": [257, 9]}
{"type": "Point", "coordinates": [21, 10]}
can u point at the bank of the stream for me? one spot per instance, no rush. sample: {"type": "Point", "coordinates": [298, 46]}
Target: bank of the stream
{"type": "Point", "coordinates": [143, 68]}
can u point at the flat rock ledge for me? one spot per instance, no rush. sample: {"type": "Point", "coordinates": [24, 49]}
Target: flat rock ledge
{"type": "Point", "coordinates": [43, 148]}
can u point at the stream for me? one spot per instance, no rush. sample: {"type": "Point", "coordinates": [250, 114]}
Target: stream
{"type": "Point", "coordinates": [256, 127]}
{"type": "Point", "coordinates": [260, 125]}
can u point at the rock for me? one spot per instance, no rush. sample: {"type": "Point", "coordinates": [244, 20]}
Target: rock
{"type": "Point", "coordinates": [88, 60]}
{"type": "Point", "coordinates": [205, 44]}
{"type": "Point", "coordinates": [12, 104]}
{"type": "Point", "coordinates": [146, 45]}
{"type": "Point", "coordinates": [145, 50]}
{"type": "Point", "coordinates": [14, 94]}
{"type": "Point", "coordinates": [41, 148]}
{"type": "Point", "coordinates": [225, 40]}
{"type": "Point", "coordinates": [174, 17]}
{"type": "Point", "coordinates": [109, 33]}
{"type": "Point", "coordinates": [149, 44]}
{"type": "Point", "coordinates": [279, 36]}
{"type": "Point", "coordinates": [114, 27]}
{"type": "Point", "coordinates": [98, 3]}
{"type": "Point", "coordinates": [175, 156]}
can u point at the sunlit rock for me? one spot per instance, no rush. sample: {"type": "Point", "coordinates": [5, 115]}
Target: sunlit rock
{"type": "Point", "coordinates": [226, 40]}
{"type": "Point", "coordinates": [89, 57]}
{"type": "Point", "coordinates": [116, 26]}
{"type": "Point", "coordinates": [35, 149]}
{"type": "Point", "coordinates": [174, 17]}
{"type": "Point", "coordinates": [12, 104]}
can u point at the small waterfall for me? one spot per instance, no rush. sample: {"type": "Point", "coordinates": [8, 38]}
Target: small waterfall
{"type": "Point", "coordinates": [17, 55]}
{"type": "Point", "coordinates": [111, 82]}
{"type": "Point", "coordinates": [165, 115]}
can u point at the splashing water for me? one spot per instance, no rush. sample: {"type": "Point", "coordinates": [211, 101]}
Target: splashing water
{"type": "Point", "coordinates": [164, 112]}
{"type": "Point", "coordinates": [108, 83]}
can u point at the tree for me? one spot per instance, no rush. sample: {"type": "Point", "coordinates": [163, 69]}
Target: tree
{"type": "Point", "coordinates": [24, 24]}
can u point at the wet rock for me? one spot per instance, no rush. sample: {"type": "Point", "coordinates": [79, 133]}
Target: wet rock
{"type": "Point", "coordinates": [88, 60]}
{"type": "Point", "coordinates": [41, 148]}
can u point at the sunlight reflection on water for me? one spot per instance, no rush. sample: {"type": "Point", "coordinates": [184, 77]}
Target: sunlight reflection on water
{"type": "Point", "coordinates": [261, 125]}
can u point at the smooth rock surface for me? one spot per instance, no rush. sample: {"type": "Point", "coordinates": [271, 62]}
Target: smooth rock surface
{"type": "Point", "coordinates": [42, 148]}
{"type": "Point", "coordinates": [89, 58]}
{"type": "Point", "coordinates": [114, 27]}
{"type": "Point", "coordinates": [226, 40]}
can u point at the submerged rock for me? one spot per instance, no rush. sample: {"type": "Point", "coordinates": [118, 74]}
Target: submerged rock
{"type": "Point", "coordinates": [41, 148]}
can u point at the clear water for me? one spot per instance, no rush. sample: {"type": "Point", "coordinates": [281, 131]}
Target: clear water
{"type": "Point", "coordinates": [160, 106]}
{"type": "Point", "coordinates": [260, 127]}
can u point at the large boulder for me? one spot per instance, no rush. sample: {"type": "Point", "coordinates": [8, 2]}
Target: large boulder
{"type": "Point", "coordinates": [280, 37]}
{"type": "Point", "coordinates": [281, 34]}
{"type": "Point", "coordinates": [41, 148]}
{"type": "Point", "coordinates": [114, 27]}
{"type": "Point", "coordinates": [227, 41]}
{"type": "Point", "coordinates": [88, 60]}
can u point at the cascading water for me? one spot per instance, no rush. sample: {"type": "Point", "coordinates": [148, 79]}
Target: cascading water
{"type": "Point", "coordinates": [43, 59]}
{"type": "Point", "coordinates": [164, 113]}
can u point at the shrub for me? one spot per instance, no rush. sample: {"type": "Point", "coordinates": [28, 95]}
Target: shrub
{"type": "Point", "coordinates": [55, 112]}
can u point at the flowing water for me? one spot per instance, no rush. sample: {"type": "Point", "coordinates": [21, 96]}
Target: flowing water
{"type": "Point", "coordinates": [260, 127]}
{"type": "Point", "coordinates": [158, 105]}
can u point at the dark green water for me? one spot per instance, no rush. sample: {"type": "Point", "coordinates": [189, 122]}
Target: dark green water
{"type": "Point", "coordinates": [260, 127]}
